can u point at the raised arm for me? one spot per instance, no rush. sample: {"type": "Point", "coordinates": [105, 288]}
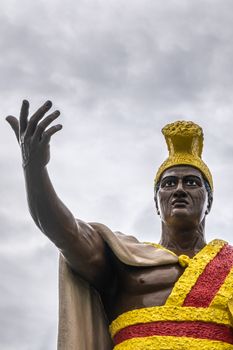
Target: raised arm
{"type": "Point", "coordinates": [81, 245]}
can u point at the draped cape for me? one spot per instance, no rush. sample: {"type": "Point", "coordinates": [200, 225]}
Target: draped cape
{"type": "Point", "coordinates": [82, 322]}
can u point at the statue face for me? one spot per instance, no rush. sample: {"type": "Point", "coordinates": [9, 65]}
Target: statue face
{"type": "Point", "coordinates": [182, 197]}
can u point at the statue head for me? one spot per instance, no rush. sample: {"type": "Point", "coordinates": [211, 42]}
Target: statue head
{"type": "Point", "coordinates": [183, 183]}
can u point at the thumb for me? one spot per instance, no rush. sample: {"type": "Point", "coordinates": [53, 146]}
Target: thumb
{"type": "Point", "coordinates": [14, 124]}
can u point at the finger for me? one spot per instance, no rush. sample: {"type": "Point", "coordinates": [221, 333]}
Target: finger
{"type": "Point", "coordinates": [23, 116]}
{"type": "Point", "coordinates": [37, 117]}
{"type": "Point", "coordinates": [48, 133]}
{"type": "Point", "coordinates": [14, 124]}
{"type": "Point", "coordinates": [44, 124]}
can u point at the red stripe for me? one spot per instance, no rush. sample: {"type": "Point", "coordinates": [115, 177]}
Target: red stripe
{"type": "Point", "coordinates": [211, 279]}
{"type": "Point", "coordinates": [193, 329]}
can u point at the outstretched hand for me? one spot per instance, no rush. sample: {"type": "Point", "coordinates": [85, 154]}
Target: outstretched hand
{"type": "Point", "coordinates": [32, 136]}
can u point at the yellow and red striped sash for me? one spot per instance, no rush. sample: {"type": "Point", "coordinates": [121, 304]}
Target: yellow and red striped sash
{"type": "Point", "coordinates": [195, 314]}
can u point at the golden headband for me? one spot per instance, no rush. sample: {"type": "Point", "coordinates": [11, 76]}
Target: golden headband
{"type": "Point", "coordinates": [185, 143]}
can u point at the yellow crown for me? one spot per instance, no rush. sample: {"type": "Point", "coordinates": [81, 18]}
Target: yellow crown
{"type": "Point", "coordinates": [185, 143]}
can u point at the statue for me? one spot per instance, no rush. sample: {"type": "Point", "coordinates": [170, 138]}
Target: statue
{"type": "Point", "coordinates": [177, 294]}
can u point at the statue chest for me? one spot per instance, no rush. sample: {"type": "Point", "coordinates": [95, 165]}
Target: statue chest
{"type": "Point", "coordinates": [138, 287]}
{"type": "Point", "coordinates": [134, 280]}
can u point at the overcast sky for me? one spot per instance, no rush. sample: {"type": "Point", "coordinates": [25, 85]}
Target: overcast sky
{"type": "Point", "coordinates": [118, 70]}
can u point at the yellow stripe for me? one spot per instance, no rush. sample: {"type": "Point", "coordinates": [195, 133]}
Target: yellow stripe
{"type": "Point", "coordinates": [172, 343]}
{"type": "Point", "coordinates": [225, 293]}
{"type": "Point", "coordinates": [169, 313]}
{"type": "Point", "coordinates": [196, 266]}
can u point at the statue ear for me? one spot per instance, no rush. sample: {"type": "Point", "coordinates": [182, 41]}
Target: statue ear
{"type": "Point", "coordinates": [156, 204]}
{"type": "Point", "coordinates": [209, 205]}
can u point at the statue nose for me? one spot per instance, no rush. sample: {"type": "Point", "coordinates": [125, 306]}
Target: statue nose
{"type": "Point", "coordinates": [180, 192]}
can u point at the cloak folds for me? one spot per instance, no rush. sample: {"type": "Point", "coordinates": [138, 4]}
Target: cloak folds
{"type": "Point", "coordinates": [82, 321]}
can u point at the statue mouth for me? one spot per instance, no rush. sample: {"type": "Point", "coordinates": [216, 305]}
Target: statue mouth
{"type": "Point", "coordinates": [179, 203]}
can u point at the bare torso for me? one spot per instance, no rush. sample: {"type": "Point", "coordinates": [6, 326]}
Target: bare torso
{"type": "Point", "coordinates": [136, 287]}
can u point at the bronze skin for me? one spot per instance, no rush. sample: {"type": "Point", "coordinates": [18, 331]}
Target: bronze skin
{"type": "Point", "coordinates": [181, 199]}
{"type": "Point", "coordinates": [183, 202]}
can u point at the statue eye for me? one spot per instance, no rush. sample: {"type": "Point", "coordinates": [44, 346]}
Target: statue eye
{"type": "Point", "coordinates": [191, 182]}
{"type": "Point", "coordinates": [169, 183]}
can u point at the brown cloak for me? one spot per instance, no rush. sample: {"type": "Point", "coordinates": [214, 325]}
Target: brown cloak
{"type": "Point", "coordinates": [82, 321]}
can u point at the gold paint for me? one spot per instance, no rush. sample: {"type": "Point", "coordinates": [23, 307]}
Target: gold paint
{"type": "Point", "coordinates": [185, 143]}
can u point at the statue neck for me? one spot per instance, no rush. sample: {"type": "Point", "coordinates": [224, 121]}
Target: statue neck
{"type": "Point", "coordinates": [183, 241]}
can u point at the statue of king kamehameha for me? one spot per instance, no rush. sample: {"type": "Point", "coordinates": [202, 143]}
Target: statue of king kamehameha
{"type": "Point", "coordinates": [116, 292]}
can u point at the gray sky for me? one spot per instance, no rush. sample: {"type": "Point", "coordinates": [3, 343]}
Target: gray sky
{"type": "Point", "coordinates": [118, 71]}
